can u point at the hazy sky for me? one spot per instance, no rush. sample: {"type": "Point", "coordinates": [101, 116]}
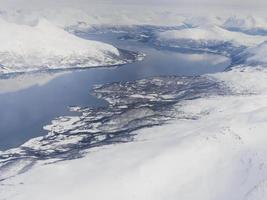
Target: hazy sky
{"type": "Point", "coordinates": [242, 4]}
{"type": "Point", "coordinates": [151, 2]}
{"type": "Point", "coordinates": [190, 2]}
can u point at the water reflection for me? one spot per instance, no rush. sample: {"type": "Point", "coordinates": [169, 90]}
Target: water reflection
{"type": "Point", "coordinates": [23, 81]}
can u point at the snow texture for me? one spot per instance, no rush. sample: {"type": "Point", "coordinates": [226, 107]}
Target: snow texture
{"type": "Point", "coordinates": [44, 46]}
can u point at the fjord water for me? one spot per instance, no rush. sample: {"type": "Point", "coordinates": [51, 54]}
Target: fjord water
{"type": "Point", "coordinates": [28, 102]}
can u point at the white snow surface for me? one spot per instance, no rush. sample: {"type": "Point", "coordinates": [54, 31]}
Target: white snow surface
{"type": "Point", "coordinates": [257, 54]}
{"type": "Point", "coordinates": [211, 34]}
{"type": "Point", "coordinates": [45, 46]}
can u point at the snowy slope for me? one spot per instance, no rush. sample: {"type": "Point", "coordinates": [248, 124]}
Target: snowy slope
{"type": "Point", "coordinates": [248, 24]}
{"type": "Point", "coordinates": [44, 46]}
{"type": "Point", "coordinates": [257, 55]}
{"type": "Point", "coordinates": [209, 34]}
{"type": "Point", "coordinates": [203, 20]}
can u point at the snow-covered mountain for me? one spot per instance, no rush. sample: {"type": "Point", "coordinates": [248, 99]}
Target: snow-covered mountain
{"type": "Point", "coordinates": [45, 46]}
{"type": "Point", "coordinates": [96, 15]}
{"type": "Point", "coordinates": [248, 24]}
{"type": "Point", "coordinates": [209, 35]}
{"type": "Point", "coordinates": [257, 55]}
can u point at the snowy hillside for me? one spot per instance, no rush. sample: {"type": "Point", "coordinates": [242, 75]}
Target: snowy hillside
{"type": "Point", "coordinates": [44, 46]}
{"type": "Point", "coordinates": [209, 35]}
{"type": "Point", "coordinates": [257, 55]}
{"type": "Point", "coordinates": [247, 24]}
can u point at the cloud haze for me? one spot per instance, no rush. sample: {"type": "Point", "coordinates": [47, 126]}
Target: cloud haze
{"type": "Point", "coordinates": [124, 11]}
{"type": "Point", "coordinates": [241, 3]}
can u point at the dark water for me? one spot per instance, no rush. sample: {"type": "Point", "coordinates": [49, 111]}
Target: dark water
{"type": "Point", "coordinates": [29, 107]}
